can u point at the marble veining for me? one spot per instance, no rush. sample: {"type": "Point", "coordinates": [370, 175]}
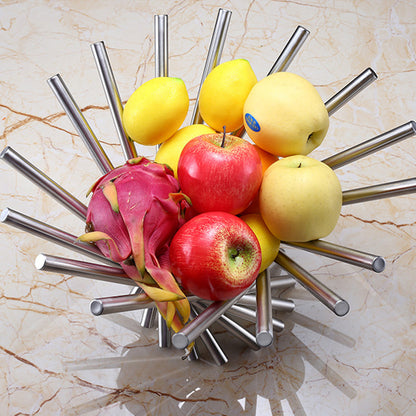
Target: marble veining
{"type": "Point", "coordinates": [58, 359]}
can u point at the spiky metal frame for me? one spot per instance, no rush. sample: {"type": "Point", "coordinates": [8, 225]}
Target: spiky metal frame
{"type": "Point", "coordinates": [254, 305]}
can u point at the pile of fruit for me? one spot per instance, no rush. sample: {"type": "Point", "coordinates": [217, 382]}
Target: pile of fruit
{"type": "Point", "coordinates": [209, 213]}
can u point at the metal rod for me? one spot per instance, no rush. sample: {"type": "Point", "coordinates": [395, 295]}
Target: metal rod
{"type": "Point", "coordinates": [148, 317]}
{"type": "Point", "coordinates": [193, 354]}
{"type": "Point", "coordinates": [80, 123]}
{"type": "Point", "coordinates": [161, 45]}
{"type": "Point", "coordinates": [53, 234]}
{"type": "Point", "coordinates": [214, 54]}
{"type": "Point", "coordinates": [211, 343]}
{"type": "Point", "coordinates": [234, 329]}
{"type": "Point", "coordinates": [325, 295]}
{"type": "Point", "coordinates": [264, 325]}
{"type": "Point", "coordinates": [79, 268]}
{"type": "Point", "coordinates": [281, 283]}
{"type": "Point", "coordinates": [194, 328]}
{"type": "Point", "coordinates": [123, 303]}
{"type": "Point", "coordinates": [251, 316]}
{"type": "Point", "coordinates": [345, 254]}
{"type": "Point", "coordinates": [384, 190]}
{"type": "Point", "coordinates": [35, 175]}
{"type": "Point", "coordinates": [113, 97]}
{"type": "Point", "coordinates": [280, 305]}
{"type": "Point", "coordinates": [290, 50]}
{"type": "Point", "coordinates": [350, 90]}
{"type": "Point", "coordinates": [116, 304]}
{"type": "Point", "coordinates": [372, 145]}
{"type": "Point", "coordinates": [163, 332]}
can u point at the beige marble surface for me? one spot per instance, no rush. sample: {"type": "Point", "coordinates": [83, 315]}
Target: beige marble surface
{"type": "Point", "coordinates": [57, 359]}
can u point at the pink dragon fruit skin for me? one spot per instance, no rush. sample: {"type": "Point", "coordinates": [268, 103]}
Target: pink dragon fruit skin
{"type": "Point", "coordinates": [133, 214]}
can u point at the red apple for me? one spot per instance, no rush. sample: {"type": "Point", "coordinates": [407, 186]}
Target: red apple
{"type": "Point", "coordinates": [220, 172]}
{"type": "Point", "coordinates": [215, 255]}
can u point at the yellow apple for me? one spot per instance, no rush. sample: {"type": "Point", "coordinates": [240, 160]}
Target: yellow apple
{"type": "Point", "coordinates": [170, 150]}
{"type": "Point", "coordinates": [300, 199]}
{"type": "Point", "coordinates": [285, 115]}
{"type": "Point", "coordinates": [269, 244]}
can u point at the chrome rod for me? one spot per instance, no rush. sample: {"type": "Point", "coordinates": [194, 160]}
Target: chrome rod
{"type": "Point", "coordinates": [53, 234]}
{"type": "Point", "coordinates": [264, 325]}
{"type": "Point", "coordinates": [163, 332]}
{"type": "Point", "coordinates": [345, 254]}
{"type": "Point", "coordinates": [214, 54]}
{"type": "Point", "coordinates": [49, 263]}
{"type": "Point", "coordinates": [129, 302]}
{"type": "Point", "coordinates": [251, 316]}
{"type": "Point", "coordinates": [161, 45]}
{"type": "Point", "coordinates": [234, 329]}
{"type": "Point", "coordinates": [40, 179]}
{"type": "Point", "coordinates": [211, 343]}
{"type": "Point", "coordinates": [194, 328]}
{"type": "Point", "coordinates": [350, 90]}
{"type": "Point", "coordinates": [80, 123]}
{"type": "Point", "coordinates": [371, 146]}
{"type": "Point", "coordinates": [281, 283]}
{"type": "Point", "coordinates": [112, 95]}
{"type": "Point", "coordinates": [384, 190]}
{"type": "Point", "coordinates": [325, 295]}
{"type": "Point", "coordinates": [290, 50]}
{"type": "Point", "coordinates": [280, 305]}
{"type": "Point", "coordinates": [117, 304]}
{"type": "Point", "coordinates": [124, 303]}
{"type": "Point", "coordinates": [148, 317]}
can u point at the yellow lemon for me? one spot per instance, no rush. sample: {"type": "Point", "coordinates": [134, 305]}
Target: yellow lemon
{"type": "Point", "coordinates": [223, 93]}
{"type": "Point", "coordinates": [156, 110]}
{"type": "Point", "coordinates": [171, 149]}
{"type": "Point", "coordinates": [285, 115]}
{"type": "Point", "coordinates": [269, 244]}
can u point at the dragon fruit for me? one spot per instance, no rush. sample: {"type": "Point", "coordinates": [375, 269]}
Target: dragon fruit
{"type": "Point", "coordinates": [132, 216]}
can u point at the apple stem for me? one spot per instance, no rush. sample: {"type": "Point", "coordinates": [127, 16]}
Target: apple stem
{"type": "Point", "coordinates": [223, 137]}
{"type": "Point", "coordinates": [300, 164]}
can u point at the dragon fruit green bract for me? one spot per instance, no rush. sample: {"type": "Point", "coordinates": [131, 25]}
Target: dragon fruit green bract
{"type": "Point", "coordinates": [133, 214]}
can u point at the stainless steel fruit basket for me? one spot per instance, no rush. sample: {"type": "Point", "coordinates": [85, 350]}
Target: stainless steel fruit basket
{"type": "Point", "coordinates": [258, 303]}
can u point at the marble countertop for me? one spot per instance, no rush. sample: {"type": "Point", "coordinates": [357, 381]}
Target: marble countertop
{"type": "Point", "coordinates": [58, 359]}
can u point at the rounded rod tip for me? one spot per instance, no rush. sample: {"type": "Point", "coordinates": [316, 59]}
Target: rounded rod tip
{"type": "Point", "coordinates": [180, 340]}
{"type": "Point", "coordinates": [264, 338]}
{"type": "Point", "coordinates": [379, 264]}
{"type": "Point", "coordinates": [96, 307]}
{"type": "Point", "coordinates": [4, 214]}
{"type": "Point", "coordinates": [341, 308]}
{"type": "Point", "coordinates": [40, 261]}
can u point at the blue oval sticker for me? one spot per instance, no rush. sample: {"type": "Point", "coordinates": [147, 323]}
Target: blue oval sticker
{"type": "Point", "coordinates": [252, 122]}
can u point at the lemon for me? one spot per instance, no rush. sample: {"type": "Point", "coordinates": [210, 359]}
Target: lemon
{"type": "Point", "coordinates": [223, 93]}
{"type": "Point", "coordinates": [269, 244]}
{"type": "Point", "coordinates": [156, 110]}
{"type": "Point", "coordinates": [170, 150]}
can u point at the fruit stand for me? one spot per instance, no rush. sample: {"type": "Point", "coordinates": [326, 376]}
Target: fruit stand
{"type": "Point", "coordinates": [332, 313]}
